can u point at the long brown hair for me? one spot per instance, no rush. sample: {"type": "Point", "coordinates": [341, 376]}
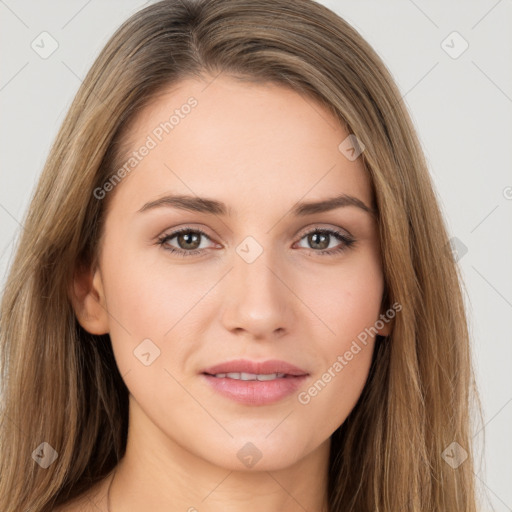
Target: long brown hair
{"type": "Point", "coordinates": [61, 385]}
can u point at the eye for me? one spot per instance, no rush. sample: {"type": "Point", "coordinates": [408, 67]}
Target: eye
{"type": "Point", "coordinates": [320, 241]}
{"type": "Point", "coordinates": [188, 240]}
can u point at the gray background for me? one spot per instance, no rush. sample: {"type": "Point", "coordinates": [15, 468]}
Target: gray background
{"type": "Point", "coordinates": [460, 104]}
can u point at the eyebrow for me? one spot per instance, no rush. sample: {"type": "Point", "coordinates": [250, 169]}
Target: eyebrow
{"type": "Point", "coordinates": [214, 207]}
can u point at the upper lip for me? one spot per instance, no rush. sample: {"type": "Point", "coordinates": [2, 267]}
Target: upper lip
{"type": "Point", "coordinates": [256, 367]}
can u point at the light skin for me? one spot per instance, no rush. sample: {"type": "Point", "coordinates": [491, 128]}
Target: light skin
{"type": "Point", "coordinates": [260, 149]}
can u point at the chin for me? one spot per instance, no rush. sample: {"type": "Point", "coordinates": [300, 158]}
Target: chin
{"type": "Point", "coordinates": [259, 452]}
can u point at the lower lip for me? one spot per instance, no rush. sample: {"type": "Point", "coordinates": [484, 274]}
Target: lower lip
{"type": "Point", "coordinates": [255, 392]}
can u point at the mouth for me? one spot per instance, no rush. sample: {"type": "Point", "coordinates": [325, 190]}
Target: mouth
{"type": "Point", "coordinates": [250, 376]}
{"type": "Point", "coordinates": [242, 368]}
{"type": "Point", "coordinates": [255, 383]}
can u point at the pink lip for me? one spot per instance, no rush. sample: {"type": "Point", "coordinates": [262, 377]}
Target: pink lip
{"type": "Point", "coordinates": [254, 392]}
{"type": "Point", "coordinates": [247, 366]}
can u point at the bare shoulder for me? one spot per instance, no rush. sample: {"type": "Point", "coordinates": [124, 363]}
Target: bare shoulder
{"type": "Point", "coordinates": [93, 500]}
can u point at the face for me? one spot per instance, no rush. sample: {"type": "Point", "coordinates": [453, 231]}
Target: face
{"type": "Point", "coordinates": [248, 274]}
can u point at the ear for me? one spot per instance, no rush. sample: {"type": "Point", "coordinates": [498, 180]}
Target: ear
{"type": "Point", "coordinates": [387, 327]}
{"type": "Point", "coordinates": [384, 323]}
{"type": "Point", "coordinates": [88, 300]}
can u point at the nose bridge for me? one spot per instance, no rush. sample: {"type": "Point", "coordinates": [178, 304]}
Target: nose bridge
{"type": "Point", "coordinates": [259, 301]}
{"type": "Point", "coordinates": [259, 276]}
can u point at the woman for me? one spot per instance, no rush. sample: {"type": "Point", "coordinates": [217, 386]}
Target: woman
{"type": "Point", "coordinates": [175, 337]}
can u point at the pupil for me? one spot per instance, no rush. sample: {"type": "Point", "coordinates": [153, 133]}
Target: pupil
{"type": "Point", "coordinates": [324, 242]}
{"type": "Point", "coordinates": [189, 238]}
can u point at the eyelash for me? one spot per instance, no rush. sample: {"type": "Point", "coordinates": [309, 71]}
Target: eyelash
{"type": "Point", "coordinates": [347, 241]}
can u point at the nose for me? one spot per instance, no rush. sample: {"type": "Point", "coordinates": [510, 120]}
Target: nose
{"type": "Point", "coordinates": [259, 301]}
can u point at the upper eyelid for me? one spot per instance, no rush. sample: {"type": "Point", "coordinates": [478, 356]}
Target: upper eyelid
{"type": "Point", "coordinates": [316, 227]}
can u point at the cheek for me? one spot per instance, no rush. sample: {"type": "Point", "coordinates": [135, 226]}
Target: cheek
{"type": "Point", "coordinates": [346, 299]}
{"type": "Point", "coordinates": [149, 311]}
{"type": "Point", "coordinates": [348, 307]}
{"type": "Point", "coordinates": [148, 299]}
{"type": "Point", "coordinates": [337, 388]}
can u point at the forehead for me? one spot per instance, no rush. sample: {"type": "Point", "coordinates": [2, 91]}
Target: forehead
{"type": "Point", "coordinates": [241, 142]}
